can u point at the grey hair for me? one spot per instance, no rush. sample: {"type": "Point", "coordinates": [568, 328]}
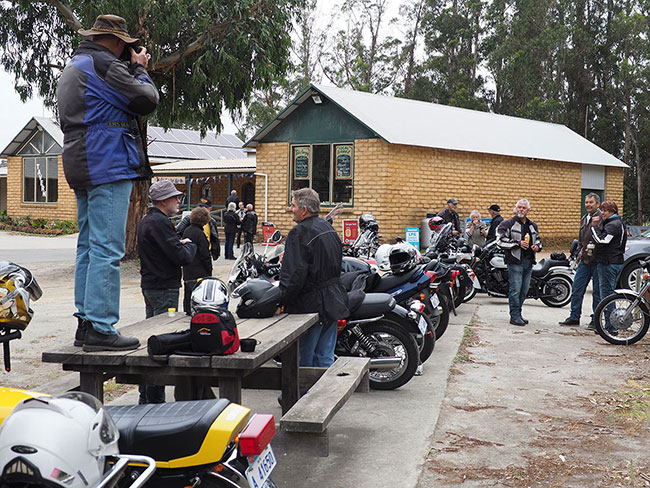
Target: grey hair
{"type": "Point", "coordinates": [523, 200]}
{"type": "Point", "coordinates": [249, 206]}
{"type": "Point", "coordinates": [595, 196]}
{"type": "Point", "coordinates": [307, 198]}
{"type": "Point", "coordinates": [232, 206]}
{"type": "Point", "coordinates": [475, 212]}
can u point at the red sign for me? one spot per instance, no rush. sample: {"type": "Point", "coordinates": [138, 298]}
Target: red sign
{"type": "Point", "coordinates": [350, 230]}
{"type": "Point", "coordinates": [267, 231]}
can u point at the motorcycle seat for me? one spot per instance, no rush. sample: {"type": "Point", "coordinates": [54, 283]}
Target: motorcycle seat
{"type": "Point", "coordinates": [165, 431]}
{"type": "Point", "coordinates": [373, 304]}
{"type": "Point", "coordinates": [390, 281]}
{"type": "Point", "coordinates": [541, 268]}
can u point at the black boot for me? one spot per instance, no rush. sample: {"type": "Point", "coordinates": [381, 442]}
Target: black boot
{"type": "Point", "coordinates": [96, 341]}
{"type": "Point", "coordinates": [80, 334]}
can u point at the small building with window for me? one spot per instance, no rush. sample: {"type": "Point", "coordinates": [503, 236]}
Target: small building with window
{"type": "Point", "coordinates": [400, 159]}
{"type": "Point", "coordinates": [35, 185]}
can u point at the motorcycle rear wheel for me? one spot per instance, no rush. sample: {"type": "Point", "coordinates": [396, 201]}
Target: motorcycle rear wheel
{"type": "Point", "coordinates": [429, 342]}
{"type": "Point", "coordinates": [440, 322]}
{"type": "Point", "coordinates": [621, 331]}
{"type": "Point", "coordinates": [471, 293]}
{"type": "Point", "coordinates": [559, 287]}
{"type": "Point", "coordinates": [392, 340]}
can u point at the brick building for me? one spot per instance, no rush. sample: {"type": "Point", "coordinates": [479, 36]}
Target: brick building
{"type": "Point", "coordinates": [36, 186]}
{"type": "Point", "coordinates": [401, 159]}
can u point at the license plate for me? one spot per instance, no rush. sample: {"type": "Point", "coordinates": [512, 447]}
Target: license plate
{"type": "Point", "coordinates": [260, 470]}
{"type": "Point", "coordinates": [434, 300]}
{"type": "Point", "coordinates": [422, 324]}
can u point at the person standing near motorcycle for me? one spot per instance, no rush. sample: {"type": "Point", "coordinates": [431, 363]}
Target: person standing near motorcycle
{"type": "Point", "coordinates": [99, 99]}
{"type": "Point", "coordinates": [310, 278]}
{"type": "Point", "coordinates": [230, 223]}
{"type": "Point", "coordinates": [241, 211]}
{"type": "Point", "coordinates": [475, 229]}
{"type": "Point", "coordinates": [519, 238]}
{"type": "Point", "coordinates": [161, 254]}
{"type": "Point", "coordinates": [610, 236]}
{"type": "Point", "coordinates": [495, 213]}
{"type": "Point", "coordinates": [587, 269]}
{"type": "Point", "coordinates": [450, 214]}
{"type": "Point", "coordinates": [249, 224]}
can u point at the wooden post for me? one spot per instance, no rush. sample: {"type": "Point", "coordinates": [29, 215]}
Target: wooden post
{"type": "Point", "coordinates": [92, 383]}
{"type": "Point", "coordinates": [290, 377]}
{"type": "Point", "coordinates": [230, 388]}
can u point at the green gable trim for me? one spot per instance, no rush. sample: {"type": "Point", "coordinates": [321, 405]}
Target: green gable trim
{"type": "Point", "coordinates": [312, 123]}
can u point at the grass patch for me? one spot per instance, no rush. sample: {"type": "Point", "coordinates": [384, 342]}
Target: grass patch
{"type": "Point", "coordinates": [113, 390]}
{"type": "Point", "coordinates": [634, 403]}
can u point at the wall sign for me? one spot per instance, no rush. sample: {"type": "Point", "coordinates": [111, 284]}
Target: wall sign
{"type": "Point", "coordinates": [350, 230]}
{"type": "Point", "coordinates": [413, 236]}
{"type": "Point", "coordinates": [301, 163]}
{"type": "Point", "coordinates": [344, 162]}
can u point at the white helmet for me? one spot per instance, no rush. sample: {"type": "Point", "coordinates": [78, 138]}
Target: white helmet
{"type": "Point", "coordinates": [56, 442]}
{"type": "Point", "coordinates": [381, 257]}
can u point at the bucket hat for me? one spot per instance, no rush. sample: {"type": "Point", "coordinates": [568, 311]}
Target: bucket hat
{"type": "Point", "coordinates": [162, 190]}
{"type": "Point", "coordinates": [112, 25]}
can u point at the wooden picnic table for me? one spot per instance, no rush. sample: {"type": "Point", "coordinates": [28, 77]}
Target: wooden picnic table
{"type": "Point", "coordinates": [277, 335]}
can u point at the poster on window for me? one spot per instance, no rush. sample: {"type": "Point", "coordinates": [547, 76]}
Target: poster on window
{"type": "Point", "coordinates": [301, 163]}
{"type": "Point", "coordinates": [343, 162]}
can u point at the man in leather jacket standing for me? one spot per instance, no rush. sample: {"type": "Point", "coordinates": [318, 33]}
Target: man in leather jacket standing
{"type": "Point", "coordinates": [310, 278]}
{"type": "Point", "coordinates": [519, 238]}
{"type": "Point", "coordinates": [495, 213]}
{"type": "Point", "coordinates": [587, 267]}
{"type": "Point", "coordinates": [450, 214]}
{"type": "Point", "coordinates": [610, 235]}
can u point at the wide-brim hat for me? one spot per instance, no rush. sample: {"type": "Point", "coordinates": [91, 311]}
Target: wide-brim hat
{"type": "Point", "coordinates": [162, 190]}
{"type": "Point", "coordinates": [109, 25]}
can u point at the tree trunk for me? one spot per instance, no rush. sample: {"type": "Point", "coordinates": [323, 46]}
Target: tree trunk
{"type": "Point", "coordinates": [138, 205]}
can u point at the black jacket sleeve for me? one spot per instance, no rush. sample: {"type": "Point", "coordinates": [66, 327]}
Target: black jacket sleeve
{"type": "Point", "coordinates": [170, 244]}
{"type": "Point", "coordinates": [182, 225]}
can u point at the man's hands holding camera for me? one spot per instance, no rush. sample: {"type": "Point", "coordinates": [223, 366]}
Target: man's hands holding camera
{"type": "Point", "coordinates": [140, 56]}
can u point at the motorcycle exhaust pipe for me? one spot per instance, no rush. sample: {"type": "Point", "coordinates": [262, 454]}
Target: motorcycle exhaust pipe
{"type": "Point", "coordinates": [385, 363]}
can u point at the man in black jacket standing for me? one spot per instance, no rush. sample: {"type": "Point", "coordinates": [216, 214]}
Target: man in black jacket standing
{"type": "Point", "coordinates": [161, 254]}
{"type": "Point", "coordinates": [249, 224]}
{"type": "Point", "coordinates": [519, 238]}
{"type": "Point", "coordinates": [495, 213]}
{"type": "Point", "coordinates": [310, 278]}
{"type": "Point", "coordinates": [450, 214]}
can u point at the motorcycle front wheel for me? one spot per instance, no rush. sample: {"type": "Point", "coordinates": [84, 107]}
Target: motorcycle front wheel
{"type": "Point", "coordinates": [616, 325]}
{"type": "Point", "coordinates": [440, 322]}
{"type": "Point", "coordinates": [471, 293]}
{"type": "Point", "coordinates": [429, 341]}
{"type": "Point", "coordinates": [391, 340]}
{"type": "Point", "coordinates": [556, 292]}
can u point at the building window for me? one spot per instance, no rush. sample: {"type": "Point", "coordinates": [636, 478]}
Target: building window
{"type": "Point", "coordinates": [326, 168]}
{"type": "Point", "coordinates": [40, 180]}
{"type": "Point", "coordinates": [40, 168]}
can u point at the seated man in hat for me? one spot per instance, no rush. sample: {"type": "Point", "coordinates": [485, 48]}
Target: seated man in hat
{"type": "Point", "coordinates": [211, 229]}
{"type": "Point", "coordinates": [450, 214]}
{"type": "Point", "coordinates": [495, 213]}
{"type": "Point", "coordinates": [161, 254]}
{"type": "Point", "coordinates": [99, 100]}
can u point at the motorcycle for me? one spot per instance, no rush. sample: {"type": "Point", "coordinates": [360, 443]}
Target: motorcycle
{"type": "Point", "coordinates": [367, 242]}
{"type": "Point", "coordinates": [551, 280]}
{"type": "Point", "coordinates": [623, 318]}
{"type": "Point", "coordinates": [377, 329]}
{"type": "Point", "coordinates": [251, 265]}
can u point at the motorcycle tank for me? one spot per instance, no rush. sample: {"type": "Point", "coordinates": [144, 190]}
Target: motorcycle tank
{"type": "Point", "coordinates": [498, 262]}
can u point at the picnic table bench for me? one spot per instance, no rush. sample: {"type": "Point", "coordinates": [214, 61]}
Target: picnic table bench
{"type": "Point", "coordinates": [329, 388]}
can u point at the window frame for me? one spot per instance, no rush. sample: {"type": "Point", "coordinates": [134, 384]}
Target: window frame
{"type": "Point", "coordinates": [49, 155]}
{"type": "Point", "coordinates": [332, 169]}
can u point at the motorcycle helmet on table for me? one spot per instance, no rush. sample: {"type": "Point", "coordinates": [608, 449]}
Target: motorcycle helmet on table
{"type": "Point", "coordinates": [209, 294]}
{"type": "Point", "coordinates": [258, 298]}
{"type": "Point", "coordinates": [55, 442]}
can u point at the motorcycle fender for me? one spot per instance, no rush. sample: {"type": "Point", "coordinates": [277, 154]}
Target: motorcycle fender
{"type": "Point", "coordinates": [627, 291]}
{"type": "Point", "coordinates": [568, 272]}
{"type": "Point", "coordinates": [223, 430]}
{"type": "Point", "coordinates": [400, 316]}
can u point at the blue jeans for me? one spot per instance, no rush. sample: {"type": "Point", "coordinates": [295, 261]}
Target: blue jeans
{"type": "Point", "coordinates": [101, 213]}
{"type": "Point", "coordinates": [230, 241]}
{"type": "Point", "coordinates": [519, 280]}
{"type": "Point", "coordinates": [607, 274]}
{"type": "Point", "coordinates": [584, 274]}
{"type": "Point", "coordinates": [317, 346]}
{"type": "Point", "coordinates": [157, 302]}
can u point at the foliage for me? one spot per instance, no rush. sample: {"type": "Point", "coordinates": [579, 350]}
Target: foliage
{"type": "Point", "coordinates": [37, 225]}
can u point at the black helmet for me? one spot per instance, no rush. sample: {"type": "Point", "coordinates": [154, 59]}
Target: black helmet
{"type": "Point", "coordinates": [402, 258]}
{"type": "Point", "coordinates": [259, 298]}
{"type": "Point", "coordinates": [350, 264]}
{"type": "Point", "coordinates": [368, 221]}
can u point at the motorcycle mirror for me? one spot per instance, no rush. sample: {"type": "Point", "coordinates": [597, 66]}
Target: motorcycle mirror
{"type": "Point", "coordinates": [276, 237]}
{"type": "Point", "coordinates": [574, 247]}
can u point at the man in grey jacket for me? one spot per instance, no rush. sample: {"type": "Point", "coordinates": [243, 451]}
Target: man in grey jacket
{"type": "Point", "coordinates": [519, 238]}
{"type": "Point", "coordinates": [99, 100]}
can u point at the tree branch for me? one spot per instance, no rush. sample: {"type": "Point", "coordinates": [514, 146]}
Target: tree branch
{"type": "Point", "coordinates": [68, 15]}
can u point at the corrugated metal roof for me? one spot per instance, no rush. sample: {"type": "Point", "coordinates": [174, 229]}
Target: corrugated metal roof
{"type": "Point", "coordinates": [415, 123]}
{"type": "Point", "coordinates": [174, 143]}
{"type": "Point", "coordinates": [206, 166]}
